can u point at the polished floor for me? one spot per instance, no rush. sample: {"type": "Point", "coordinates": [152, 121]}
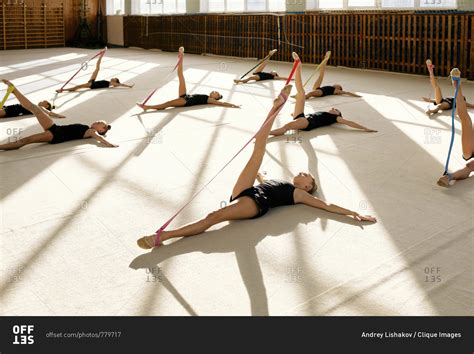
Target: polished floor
{"type": "Point", "coordinates": [71, 213]}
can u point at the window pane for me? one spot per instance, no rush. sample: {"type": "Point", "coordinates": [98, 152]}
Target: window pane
{"type": "Point", "coordinates": [276, 5]}
{"type": "Point", "coordinates": [236, 5]}
{"type": "Point", "coordinates": [398, 3]}
{"type": "Point", "coordinates": [438, 3]}
{"type": "Point", "coordinates": [256, 5]}
{"type": "Point", "coordinates": [365, 3]}
{"type": "Point", "coordinates": [330, 4]}
{"type": "Point", "coordinates": [216, 6]}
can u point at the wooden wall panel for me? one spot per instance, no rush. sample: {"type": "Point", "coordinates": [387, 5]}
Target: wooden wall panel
{"type": "Point", "coordinates": [385, 41]}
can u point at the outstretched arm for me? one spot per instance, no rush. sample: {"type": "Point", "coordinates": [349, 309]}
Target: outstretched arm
{"type": "Point", "coordinates": [304, 197]}
{"type": "Point", "coordinates": [122, 85]}
{"type": "Point", "coordinates": [223, 104]}
{"type": "Point", "coordinates": [347, 93]}
{"type": "Point", "coordinates": [355, 125]}
{"type": "Point", "coordinates": [92, 133]}
{"type": "Point", "coordinates": [469, 105]}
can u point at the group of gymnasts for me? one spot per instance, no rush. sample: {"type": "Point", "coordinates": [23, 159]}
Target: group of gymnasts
{"type": "Point", "coordinates": [247, 200]}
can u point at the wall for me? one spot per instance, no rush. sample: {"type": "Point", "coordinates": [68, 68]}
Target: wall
{"type": "Point", "coordinates": [71, 13]}
{"type": "Point", "coordinates": [399, 42]}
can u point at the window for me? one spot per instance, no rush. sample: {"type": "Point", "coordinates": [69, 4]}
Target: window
{"type": "Point", "coordinates": [151, 7]}
{"type": "Point", "coordinates": [361, 3]}
{"type": "Point", "coordinates": [242, 5]}
{"type": "Point", "coordinates": [398, 3]}
{"type": "Point", "coordinates": [438, 3]}
{"type": "Point", "coordinates": [114, 7]}
{"type": "Point", "coordinates": [330, 4]}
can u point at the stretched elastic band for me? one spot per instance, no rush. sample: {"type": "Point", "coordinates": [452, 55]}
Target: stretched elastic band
{"type": "Point", "coordinates": [453, 112]}
{"type": "Point", "coordinates": [82, 65]}
{"type": "Point", "coordinates": [180, 59]}
{"type": "Point", "coordinates": [10, 89]}
{"type": "Point", "coordinates": [273, 112]}
{"type": "Point", "coordinates": [260, 62]}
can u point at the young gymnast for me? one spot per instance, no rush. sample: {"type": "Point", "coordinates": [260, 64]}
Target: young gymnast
{"type": "Point", "coordinates": [17, 110]}
{"type": "Point", "coordinates": [442, 104]}
{"type": "Point", "coordinates": [55, 134]}
{"type": "Point", "coordinates": [186, 100]}
{"type": "Point", "coordinates": [248, 201]}
{"type": "Point", "coordinates": [260, 75]}
{"type": "Point", "coordinates": [93, 84]}
{"type": "Point", "coordinates": [321, 91]}
{"type": "Point", "coordinates": [467, 137]}
{"type": "Point", "coordinates": [314, 120]}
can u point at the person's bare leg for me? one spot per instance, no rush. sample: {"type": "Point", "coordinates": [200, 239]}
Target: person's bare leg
{"type": "Point", "coordinates": [262, 66]}
{"type": "Point", "coordinates": [322, 68]}
{"type": "Point", "coordinates": [467, 133]}
{"type": "Point", "coordinates": [457, 176]}
{"type": "Point", "coordinates": [177, 102]}
{"type": "Point", "coordinates": [355, 125]}
{"type": "Point", "coordinates": [182, 82]}
{"type": "Point", "coordinates": [297, 124]}
{"type": "Point", "coordinates": [43, 119]}
{"type": "Point", "coordinates": [434, 83]}
{"type": "Point", "coordinates": [244, 81]}
{"type": "Point", "coordinates": [75, 88]}
{"type": "Point", "coordinates": [43, 137]}
{"type": "Point", "coordinates": [97, 67]}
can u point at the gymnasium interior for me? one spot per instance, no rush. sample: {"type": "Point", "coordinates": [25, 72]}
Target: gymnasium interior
{"type": "Point", "coordinates": [71, 213]}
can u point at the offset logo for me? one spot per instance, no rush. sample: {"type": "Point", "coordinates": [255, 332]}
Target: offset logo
{"type": "Point", "coordinates": [23, 334]}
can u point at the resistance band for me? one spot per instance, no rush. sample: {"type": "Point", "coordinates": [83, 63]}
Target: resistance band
{"type": "Point", "coordinates": [316, 70]}
{"type": "Point", "coordinates": [455, 76]}
{"type": "Point", "coordinates": [260, 62]}
{"type": "Point", "coordinates": [10, 89]}
{"type": "Point", "coordinates": [84, 66]}
{"type": "Point", "coordinates": [273, 112]}
{"type": "Point", "coordinates": [180, 59]}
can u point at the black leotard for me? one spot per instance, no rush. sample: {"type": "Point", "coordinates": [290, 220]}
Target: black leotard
{"type": "Point", "coordinates": [327, 90]}
{"type": "Point", "coordinates": [194, 100]}
{"type": "Point", "coordinates": [450, 101]}
{"type": "Point", "coordinates": [318, 119]}
{"type": "Point", "coordinates": [270, 194]}
{"type": "Point", "coordinates": [62, 133]}
{"type": "Point", "coordinates": [99, 84]}
{"type": "Point", "coordinates": [265, 76]}
{"type": "Point", "coordinates": [15, 110]}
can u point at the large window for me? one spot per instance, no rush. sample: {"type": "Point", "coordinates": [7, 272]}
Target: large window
{"type": "Point", "coordinates": [115, 7]}
{"type": "Point", "coordinates": [152, 7]}
{"type": "Point", "coordinates": [242, 5]}
{"type": "Point", "coordinates": [381, 4]}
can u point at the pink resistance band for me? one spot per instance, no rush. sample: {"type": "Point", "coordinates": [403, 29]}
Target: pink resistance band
{"type": "Point", "coordinates": [180, 59]}
{"type": "Point", "coordinates": [273, 112]}
{"type": "Point", "coordinates": [95, 56]}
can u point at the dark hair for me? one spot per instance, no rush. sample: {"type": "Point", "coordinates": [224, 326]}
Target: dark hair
{"type": "Point", "coordinates": [49, 107]}
{"type": "Point", "coordinates": [118, 81]}
{"type": "Point", "coordinates": [220, 97]}
{"type": "Point", "coordinates": [108, 128]}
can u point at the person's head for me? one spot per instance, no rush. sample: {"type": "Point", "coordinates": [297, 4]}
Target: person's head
{"type": "Point", "coordinates": [305, 181]}
{"type": "Point", "coordinates": [274, 73]}
{"type": "Point", "coordinates": [101, 127]}
{"type": "Point", "coordinates": [337, 87]}
{"type": "Point", "coordinates": [115, 80]}
{"type": "Point", "coordinates": [335, 112]}
{"type": "Point", "coordinates": [215, 95]}
{"type": "Point", "coordinates": [45, 104]}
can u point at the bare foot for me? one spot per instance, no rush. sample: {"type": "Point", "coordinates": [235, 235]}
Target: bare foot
{"type": "Point", "coordinates": [237, 81]}
{"type": "Point", "coordinates": [59, 90]}
{"type": "Point", "coordinates": [326, 57]}
{"type": "Point", "coordinates": [430, 66]}
{"type": "Point", "coordinates": [295, 56]}
{"type": "Point", "coordinates": [270, 53]}
{"type": "Point", "coordinates": [181, 50]}
{"type": "Point", "coordinates": [455, 76]}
